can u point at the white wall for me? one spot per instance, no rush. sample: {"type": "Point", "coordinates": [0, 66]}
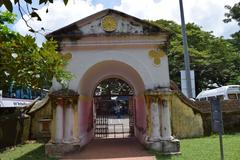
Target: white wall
{"type": "Point", "coordinates": [138, 59]}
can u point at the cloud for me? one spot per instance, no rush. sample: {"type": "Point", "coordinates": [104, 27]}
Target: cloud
{"type": "Point", "coordinates": [58, 16]}
{"type": "Point", "coordinates": [206, 13]}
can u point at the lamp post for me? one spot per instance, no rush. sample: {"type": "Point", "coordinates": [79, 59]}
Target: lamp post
{"type": "Point", "coordinates": [186, 54]}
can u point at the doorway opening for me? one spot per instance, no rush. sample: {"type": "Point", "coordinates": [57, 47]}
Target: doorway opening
{"type": "Point", "coordinates": [113, 109]}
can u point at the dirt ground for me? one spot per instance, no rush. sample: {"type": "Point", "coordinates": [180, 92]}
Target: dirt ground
{"type": "Point", "coordinates": [111, 149]}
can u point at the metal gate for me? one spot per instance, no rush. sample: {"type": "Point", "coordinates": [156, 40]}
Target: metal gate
{"type": "Point", "coordinates": [101, 127]}
{"type": "Point", "coordinates": [108, 124]}
{"type": "Point", "coordinates": [106, 129]}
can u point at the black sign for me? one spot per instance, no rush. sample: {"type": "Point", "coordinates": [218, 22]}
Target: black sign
{"type": "Point", "coordinates": [217, 124]}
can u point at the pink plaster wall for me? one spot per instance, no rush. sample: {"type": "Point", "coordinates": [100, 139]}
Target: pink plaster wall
{"type": "Point", "coordinates": [140, 120]}
{"type": "Point", "coordinates": [85, 120]}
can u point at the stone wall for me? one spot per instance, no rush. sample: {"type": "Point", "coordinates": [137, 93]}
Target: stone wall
{"type": "Point", "coordinates": [41, 119]}
{"type": "Point", "coordinates": [230, 115]}
{"type": "Point", "coordinates": [230, 112]}
{"type": "Point", "coordinates": [186, 119]}
{"type": "Point", "coordinates": [185, 122]}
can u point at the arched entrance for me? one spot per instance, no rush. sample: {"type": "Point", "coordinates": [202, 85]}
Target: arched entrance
{"type": "Point", "coordinates": [112, 44]}
{"type": "Point", "coordinates": [102, 120]}
{"type": "Point", "coordinates": [113, 109]}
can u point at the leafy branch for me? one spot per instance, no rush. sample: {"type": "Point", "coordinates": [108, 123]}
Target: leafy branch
{"type": "Point", "coordinates": [29, 10]}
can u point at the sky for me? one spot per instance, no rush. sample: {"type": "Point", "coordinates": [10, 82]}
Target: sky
{"type": "Point", "coordinates": [206, 13]}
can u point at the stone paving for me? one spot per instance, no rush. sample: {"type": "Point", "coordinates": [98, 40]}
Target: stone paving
{"type": "Point", "coordinates": [111, 149]}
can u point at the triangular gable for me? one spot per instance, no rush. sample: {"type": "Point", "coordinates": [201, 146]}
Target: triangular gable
{"type": "Point", "coordinates": [108, 22]}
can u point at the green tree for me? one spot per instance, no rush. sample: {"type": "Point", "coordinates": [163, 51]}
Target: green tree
{"type": "Point", "coordinates": [9, 4]}
{"type": "Point", "coordinates": [213, 59]}
{"type": "Point", "coordinates": [234, 14]}
{"type": "Point", "coordinates": [113, 86]}
{"type": "Point", "coordinates": [24, 64]}
{"type": "Point", "coordinates": [27, 7]}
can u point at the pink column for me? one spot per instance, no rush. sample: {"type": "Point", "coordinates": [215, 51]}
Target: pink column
{"type": "Point", "coordinates": [85, 119]}
{"type": "Point", "coordinates": [68, 121]}
{"type": "Point", "coordinates": [166, 126]}
{"type": "Point", "coordinates": [155, 121]}
{"type": "Point", "coordinates": [59, 122]}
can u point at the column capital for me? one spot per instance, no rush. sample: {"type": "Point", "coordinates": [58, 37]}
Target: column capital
{"type": "Point", "coordinates": [167, 97]}
{"type": "Point", "coordinates": [59, 101]}
{"type": "Point", "coordinates": [163, 93]}
{"type": "Point", "coordinates": [63, 97]}
{"type": "Point", "coordinates": [71, 101]}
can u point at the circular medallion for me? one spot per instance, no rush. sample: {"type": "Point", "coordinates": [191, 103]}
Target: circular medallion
{"type": "Point", "coordinates": [109, 24]}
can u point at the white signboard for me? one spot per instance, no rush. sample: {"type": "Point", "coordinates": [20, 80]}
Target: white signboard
{"type": "Point", "coordinates": [12, 102]}
{"type": "Point", "coordinates": [184, 83]}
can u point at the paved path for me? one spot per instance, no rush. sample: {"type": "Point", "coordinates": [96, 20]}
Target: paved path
{"type": "Point", "coordinates": [111, 149]}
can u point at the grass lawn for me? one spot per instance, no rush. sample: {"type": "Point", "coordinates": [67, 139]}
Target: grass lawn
{"type": "Point", "coordinates": [206, 148]}
{"type": "Point", "coordinates": [30, 151]}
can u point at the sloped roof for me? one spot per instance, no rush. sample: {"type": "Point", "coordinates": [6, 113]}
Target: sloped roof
{"type": "Point", "coordinates": [38, 105]}
{"type": "Point", "coordinates": [149, 28]}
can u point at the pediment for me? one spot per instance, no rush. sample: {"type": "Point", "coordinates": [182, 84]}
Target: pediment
{"type": "Point", "coordinates": [108, 22]}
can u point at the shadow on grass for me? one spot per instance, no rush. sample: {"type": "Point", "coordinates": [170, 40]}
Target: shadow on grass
{"type": "Point", "coordinates": [36, 154]}
{"type": "Point", "coordinates": [164, 157]}
{"type": "Point", "coordinates": [160, 156]}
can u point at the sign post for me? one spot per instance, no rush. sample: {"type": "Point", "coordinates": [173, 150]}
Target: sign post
{"type": "Point", "coordinates": [186, 54]}
{"type": "Point", "coordinates": [217, 123]}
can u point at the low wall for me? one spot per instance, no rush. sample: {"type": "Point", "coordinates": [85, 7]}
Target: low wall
{"type": "Point", "coordinates": [230, 115]}
{"type": "Point", "coordinates": [230, 112]}
{"type": "Point", "coordinates": [14, 129]}
{"type": "Point", "coordinates": [184, 121]}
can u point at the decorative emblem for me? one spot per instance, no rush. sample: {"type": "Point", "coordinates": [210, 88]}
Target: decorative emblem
{"type": "Point", "coordinates": [109, 24]}
{"type": "Point", "coordinates": [156, 55]}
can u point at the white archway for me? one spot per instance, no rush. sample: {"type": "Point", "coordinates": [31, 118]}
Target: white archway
{"type": "Point", "coordinates": [92, 77]}
{"type": "Point", "coordinates": [110, 69]}
{"type": "Point", "coordinates": [130, 53]}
